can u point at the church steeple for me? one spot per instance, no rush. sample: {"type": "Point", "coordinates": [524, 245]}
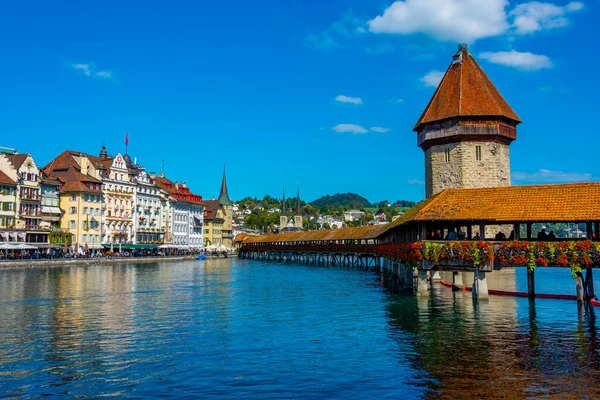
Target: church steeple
{"type": "Point", "coordinates": [103, 153]}
{"type": "Point", "coordinates": [298, 218]}
{"type": "Point", "coordinates": [224, 196]}
{"type": "Point", "coordinates": [283, 218]}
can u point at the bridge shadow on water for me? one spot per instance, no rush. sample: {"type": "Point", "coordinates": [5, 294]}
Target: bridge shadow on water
{"type": "Point", "coordinates": [505, 347]}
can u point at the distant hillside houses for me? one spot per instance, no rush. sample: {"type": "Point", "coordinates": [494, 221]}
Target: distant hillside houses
{"type": "Point", "coordinates": [353, 215]}
{"type": "Point", "coordinates": [334, 223]}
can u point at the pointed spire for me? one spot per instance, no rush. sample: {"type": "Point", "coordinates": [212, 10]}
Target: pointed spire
{"type": "Point", "coordinates": [224, 196]}
{"type": "Point", "coordinates": [283, 200]}
{"type": "Point", "coordinates": [103, 153]}
{"type": "Point", "coordinates": [465, 92]}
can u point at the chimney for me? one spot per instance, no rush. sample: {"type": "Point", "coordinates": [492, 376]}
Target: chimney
{"type": "Point", "coordinates": [214, 198]}
{"type": "Point", "coordinates": [176, 185]}
{"type": "Point", "coordinates": [153, 175]}
{"type": "Point", "coordinates": [183, 184]}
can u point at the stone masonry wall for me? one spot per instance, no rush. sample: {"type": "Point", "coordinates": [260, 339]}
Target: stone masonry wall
{"type": "Point", "coordinates": [464, 170]}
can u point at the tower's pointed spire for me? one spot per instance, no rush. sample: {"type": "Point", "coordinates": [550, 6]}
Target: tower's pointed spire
{"type": "Point", "coordinates": [224, 196]}
{"type": "Point", "coordinates": [283, 201]}
{"type": "Point", "coordinates": [103, 153]}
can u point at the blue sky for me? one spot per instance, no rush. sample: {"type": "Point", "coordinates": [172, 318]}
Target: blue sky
{"type": "Point", "coordinates": [321, 93]}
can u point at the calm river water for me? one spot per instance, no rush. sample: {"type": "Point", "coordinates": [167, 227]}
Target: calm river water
{"type": "Point", "coordinates": [248, 329]}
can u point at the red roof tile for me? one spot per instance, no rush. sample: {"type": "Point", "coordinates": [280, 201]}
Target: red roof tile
{"type": "Point", "coordinates": [16, 159]}
{"type": "Point", "coordinates": [5, 179]}
{"type": "Point", "coordinates": [575, 202]}
{"type": "Point", "coordinates": [74, 181]}
{"type": "Point", "coordinates": [465, 91]}
{"type": "Point", "coordinates": [178, 191]}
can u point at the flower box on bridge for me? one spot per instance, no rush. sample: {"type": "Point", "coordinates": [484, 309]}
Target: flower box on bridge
{"type": "Point", "coordinates": [454, 265]}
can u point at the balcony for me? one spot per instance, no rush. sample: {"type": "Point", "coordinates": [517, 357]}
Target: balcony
{"type": "Point", "coordinates": [30, 213]}
{"type": "Point", "coordinates": [30, 196]}
{"type": "Point", "coordinates": [38, 228]}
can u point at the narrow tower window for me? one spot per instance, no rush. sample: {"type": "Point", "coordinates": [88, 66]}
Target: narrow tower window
{"type": "Point", "coordinates": [478, 153]}
{"type": "Point", "coordinates": [447, 155]}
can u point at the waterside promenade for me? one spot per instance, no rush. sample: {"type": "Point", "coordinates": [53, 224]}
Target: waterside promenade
{"type": "Point", "coordinates": [101, 260]}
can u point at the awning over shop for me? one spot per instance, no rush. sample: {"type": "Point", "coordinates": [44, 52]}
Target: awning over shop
{"type": "Point", "coordinates": [130, 246]}
{"type": "Point", "coordinates": [4, 236]}
{"type": "Point", "coordinates": [51, 210]}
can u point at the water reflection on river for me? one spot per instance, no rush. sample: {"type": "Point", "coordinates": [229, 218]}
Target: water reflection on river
{"type": "Point", "coordinates": [247, 329]}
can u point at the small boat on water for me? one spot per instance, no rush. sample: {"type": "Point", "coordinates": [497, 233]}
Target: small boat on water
{"type": "Point", "coordinates": [201, 257]}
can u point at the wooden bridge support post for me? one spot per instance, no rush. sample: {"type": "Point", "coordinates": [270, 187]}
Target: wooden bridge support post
{"type": "Point", "coordinates": [422, 284]}
{"type": "Point", "coordinates": [435, 276]}
{"type": "Point", "coordinates": [531, 283]}
{"type": "Point", "coordinates": [401, 272]}
{"type": "Point", "coordinates": [409, 277]}
{"type": "Point", "coordinates": [579, 287]}
{"type": "Point", "coordinates": [589, 283]}
{"type": "Point", "coordinates": [480, 288]}
{"type": "Point", "coordinates": [457, 280]}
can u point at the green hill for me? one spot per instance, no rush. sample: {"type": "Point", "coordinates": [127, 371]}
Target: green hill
{"type": "Point", "coordinates": [346, 200]}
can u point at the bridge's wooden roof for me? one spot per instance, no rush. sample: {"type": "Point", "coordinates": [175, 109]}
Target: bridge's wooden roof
{"type": "Point", "coordinates": [363, 232]}
{"type": "Point", "coordinates": [575, 202]}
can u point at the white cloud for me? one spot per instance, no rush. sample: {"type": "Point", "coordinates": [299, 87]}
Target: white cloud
{"type": "Point", "coordinates": [104, 74]}
{"type": "Point", "coordinates": [348, 99]}
{"type": "Point", "coordinates": [380, 129]}
{"type": "Point", "coordinates": [432, 78]}
{"type": "Point", "coordinates": [445, 20]}
{"type": "Point", "coordinates": [83, 68]}
{"type": "Point", "coordinates": [516, 59]}
{"type": "Point", "coordinates": [91, 71]}
{"type": "Point", "coordinates": [470, 20]}
{"type": "Point", "coordinates": [574, 6]}
{"type": "Point", "coordinates": [349, 128]}
{"type": "Point", "coordinates": [535, 16]}
{"type": "Point", "coordinates": [415, 182]}
{"type": "Point", "coordinates": [547, 176]}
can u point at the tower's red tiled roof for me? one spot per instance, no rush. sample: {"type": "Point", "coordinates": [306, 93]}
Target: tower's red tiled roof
{"type": "Point", "coordinates": [465, 91]}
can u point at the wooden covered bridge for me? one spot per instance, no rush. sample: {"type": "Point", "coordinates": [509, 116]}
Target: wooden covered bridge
{"type": "Point", "coordinates": [476, 230]}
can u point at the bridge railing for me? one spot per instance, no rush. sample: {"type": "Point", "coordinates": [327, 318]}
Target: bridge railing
{"type": "Point", "coordinates": [575, 255]}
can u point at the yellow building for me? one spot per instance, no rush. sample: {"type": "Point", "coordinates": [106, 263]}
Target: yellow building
{"type": "Point", "coordinates": [214, 220]}
{"type": "Point", "coordinates": [81, 198]}
{"type": "Point", "coordinates": [218, 218]}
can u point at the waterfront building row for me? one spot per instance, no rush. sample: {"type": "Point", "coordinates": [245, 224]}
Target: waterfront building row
{"type": "Point", "coordinates": [93, 202]}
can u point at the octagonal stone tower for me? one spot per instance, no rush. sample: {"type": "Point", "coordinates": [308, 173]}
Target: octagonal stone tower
{"type": "Point", "coordinates": [466, 129]}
